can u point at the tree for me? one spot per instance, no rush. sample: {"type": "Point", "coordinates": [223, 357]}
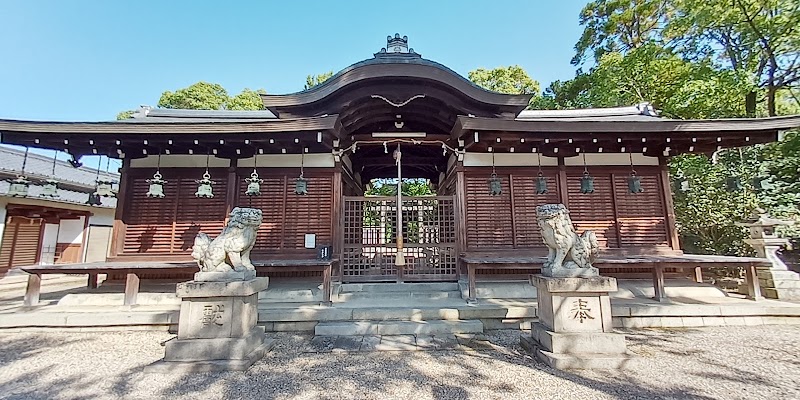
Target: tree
{"type": "Point", "coordinates": [761, 37]}
{"type": "Point", "coordinates": [199, 96]}
{"type": "Point", "coordinates": [619, 26]}
{"type": "Point", "coordinates": [210, 96]}
{"type": "Point", "coordinates": [314, 80]}
{"type": "Point", "coordinates": [510, 80]}
{"type": "Point", "coordinates": [246, 100]}
{"type": "Point", "coordinates": [125, 115]}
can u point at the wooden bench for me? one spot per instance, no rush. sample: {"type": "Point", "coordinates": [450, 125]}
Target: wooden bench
{"type": "Point", "coordinates": [130, 269]}
{"type": "Point", "coordinates": [325, 266]}
{"type": "Point", "coordinates": [657, 264]}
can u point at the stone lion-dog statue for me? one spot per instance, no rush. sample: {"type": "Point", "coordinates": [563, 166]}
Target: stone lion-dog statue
{"type": "Point", "coordinates": [569, 254]}
{"type": "Point", "coordinates": [230, 251]}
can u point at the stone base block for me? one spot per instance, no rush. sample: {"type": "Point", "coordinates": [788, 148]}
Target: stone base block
{"type": "Point", "coordinates": [242, 364]}
{"type": "Point", "coordinates": [578, 361]}
{"type": "Point", "coordinates": [578, 343]}
{"type": "Point", "coordinates": [229, 276]}
{"type": "Point", "coordinates": [214, 348]}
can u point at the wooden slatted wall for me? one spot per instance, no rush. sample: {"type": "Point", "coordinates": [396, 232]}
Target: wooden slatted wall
{"type": "Point", "coordinates": [288, 216]}
{"type": "Point", "coordinates": [169, 225]}
{"type": "Point", "coordinates": [620, 219]}
{"type": "Point", "coordinates": [20, 243]}
{"type": "Point", "coordinates": [507, 220]}
{"type": "Point", "coordinates": [640, 215]}
{"type": "Point", "coordinates": [488, 217]}
{"type": "Point", "coordinates": [594, 211]}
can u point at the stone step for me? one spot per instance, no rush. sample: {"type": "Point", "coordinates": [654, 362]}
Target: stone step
{"type": "Point", "coordinates": [398, 287]}
{"type": "Point", "coordinates": [433, 327]}
{"type": "Point", "coordinates": [786, 284]}
{"type": "Point", "coordinates": [782, 294]}
{"type": "Point", "coordinates": [424, 295]}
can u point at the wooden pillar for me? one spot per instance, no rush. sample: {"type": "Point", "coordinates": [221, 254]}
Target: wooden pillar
{"type": "Point", "coordinates": [751, 280]}
{"type": "Point", "coordinates": [33, 290]}
{"type": "Point", "coordinates": [513, 211]}
{"type": "Point", "coordinates": [232, 192]}
{"type": "Point", "coordinates": [563, 186]}
{"type": "Point", "coordinates": [131, 289]}
{"type": "Point", "coordinates": [698, 274]}
{"type": "Point", "coordinates": [92, 281]}
{"type": "Point", "coordinates": [658, 283]}
{"type": "Point", "coordinates": [118, 232]}
{"type": "Point", "coordinates": [669, 208]}
{"type": "Point", "coordinates": [460, 213]}
{"type": "Point", "coordinates": [337, 227]}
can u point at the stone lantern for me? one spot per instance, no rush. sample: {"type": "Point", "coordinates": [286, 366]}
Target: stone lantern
{"type": "Point", "coordinates": [777, 281]}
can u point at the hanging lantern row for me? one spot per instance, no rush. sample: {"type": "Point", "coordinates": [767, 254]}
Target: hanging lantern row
{"type": "Point", "coordinates": [19, 186]}
{"type": "Point", "coordinates": [205, 186]}
{"type": "Point", "coordinates": [50, 187]}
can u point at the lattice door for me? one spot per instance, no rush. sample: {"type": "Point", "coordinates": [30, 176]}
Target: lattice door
{"type": "Point", "coordinates": [370, 241]}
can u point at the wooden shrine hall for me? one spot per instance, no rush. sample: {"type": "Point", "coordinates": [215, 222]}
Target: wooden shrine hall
{"type": "Point", "coordinates": [312, 154]}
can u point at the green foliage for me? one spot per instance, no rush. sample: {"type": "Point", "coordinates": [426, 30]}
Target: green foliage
{"type": "Point", "coordinates": [246, 100]}
{"type": "Point", "coordinates": [619, 26]}
{"type": "Point", "coordinates": [314, 80]}
{"type": "Point", "coordinates": [511, 80]}
{"type": "Point", "coordinates": [210, 96]}
{"type": "Point", "coordinates": [410, 187]}
{"type": "Point", "coordinates": [125, 115]}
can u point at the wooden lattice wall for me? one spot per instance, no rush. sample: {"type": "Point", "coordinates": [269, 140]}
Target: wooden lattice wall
{"type": "Point", "coordinates": [621, 220]}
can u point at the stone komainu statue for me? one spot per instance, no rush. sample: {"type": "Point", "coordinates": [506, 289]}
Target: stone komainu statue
{"type": "Point", "coordinates": [569, 254]}
{"type": "Point", "coordinates": [231, 249]}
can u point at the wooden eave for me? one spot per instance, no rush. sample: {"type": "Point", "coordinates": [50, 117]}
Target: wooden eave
{"type": "Point", "coordinates": [393, 68]}
{"type": "Point", "coordinates": [700, 136]}
{"type": "Point", "coordinates": [136, 139]}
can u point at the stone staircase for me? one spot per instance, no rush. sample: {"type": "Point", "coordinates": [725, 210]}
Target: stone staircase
{"type": "Point", "coordinates": [423, 309]}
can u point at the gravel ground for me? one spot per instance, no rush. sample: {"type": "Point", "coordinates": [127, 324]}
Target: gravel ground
{"type": "Point", "coordinates": [721, 363]}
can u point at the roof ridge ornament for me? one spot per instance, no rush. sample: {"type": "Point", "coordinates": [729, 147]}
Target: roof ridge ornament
{"type": "Point", "coordinates": [396, 45]}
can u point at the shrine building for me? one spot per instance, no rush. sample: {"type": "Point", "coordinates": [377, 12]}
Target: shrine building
{"type": "Point", "coordinates": [308, 157]}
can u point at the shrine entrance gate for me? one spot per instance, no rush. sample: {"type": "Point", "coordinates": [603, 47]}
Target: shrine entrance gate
{"type": "Point", "coordinates": [369, 228]}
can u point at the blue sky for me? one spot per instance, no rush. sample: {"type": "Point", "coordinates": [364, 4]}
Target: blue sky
{"type": "Point", "coordinates": [87, 60]}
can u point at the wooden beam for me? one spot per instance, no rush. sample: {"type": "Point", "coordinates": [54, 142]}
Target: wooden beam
{"type": "Point", "coordinates": [669, 207]}
{"type": "Point", "coordinates": [658, 283]}
{"type": "Point", "coordinates": [513, 211]}
{"type": "Point", "coordinates": [751, 280]}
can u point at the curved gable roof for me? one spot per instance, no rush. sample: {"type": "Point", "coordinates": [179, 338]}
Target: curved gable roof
{"type": "Point", "coordinates": [409, 66]}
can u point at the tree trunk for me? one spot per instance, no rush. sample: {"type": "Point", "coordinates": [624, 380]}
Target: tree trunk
{"type": "Point", "coordinates": [771, 89]}
{"type": "Point", "coordinates": [750, 104]}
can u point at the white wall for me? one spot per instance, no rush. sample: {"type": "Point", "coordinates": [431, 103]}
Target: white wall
{"type": "Point", "coordinates": [2, 219]}
{"type": "Point", "coordinates": [71, 231]}
{"type": "Point", "coordinates": [102, 216]}
{"type": "Point", "coordinates": [288, 161]}
{"type": "Point", "coordinates": [48, 245]}
{"type": "Point", "coordinates": [180, 160]}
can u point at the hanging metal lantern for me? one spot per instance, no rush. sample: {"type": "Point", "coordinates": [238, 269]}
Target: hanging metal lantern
{"type": "Point", "coordinates": [253, 184]}
{"type": "Point", "coordinates": [495, 185]}
{"type": "Point", "coordinates": [587, 183]}
{"type": "Point", "coordinates": [541, 184]}
{"type": "Point", "coordinates": [19, 187]}
{"type": "Point", "coordinates": [301, 186]}
{"type": "Point", "coordinates": [94, 199]}
{"type": "Point", "coordinates": [156, 188]}
{"type": "Point", "coordinates": [733, 184]}
{"type": "Point", "coordinates": [50, 189]}
{"type": "Point", "coordinates": [50, 186]}
{"type": "Point", "coordinates": [204, 186]}
{"type": "Point", "coordinates": [635, 183]}
{"type": "Point", "coordinates": [759, 183]}
{"type": "Point", "coordinates": [301, 183]}
{"type": "Point", "coordinates": [105, 188]}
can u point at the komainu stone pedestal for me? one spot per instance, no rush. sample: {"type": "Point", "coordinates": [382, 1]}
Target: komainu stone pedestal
{"type": "Point", "coordinates": [574, 329]}
{"type": "Point", "coordinates": [217, 328]}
